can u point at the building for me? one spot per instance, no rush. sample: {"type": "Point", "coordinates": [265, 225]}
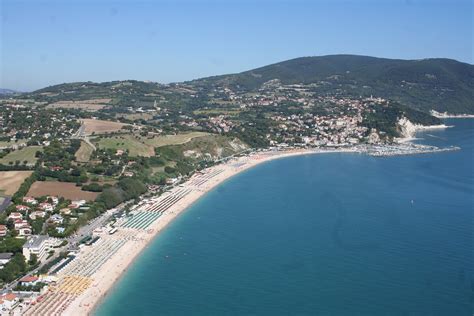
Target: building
{"type": "Point", "coordinates": [3, 230]}
{"type": "Point", "coordinates": [15, 215]}
{"type": "Point", "coordinates": [19, 223]}
{"type": "Point", "coordinates": [25, 231]}
{"type": "Point", "coordinates": [76, 204]}
{"type": "Point", "coordinates": [8, 301]}
{"type": "Point", "coordinates": [22, 208]}
{"type": "Point", "coordinates": [29, 280]}
{"type": "Point", "coordinates": [39, 245]}
{"type": "Point", "coordinates": [57, 219]}
{"type": "Point", "coordinates": [54, 199]}
{"type": "Point", "coordinates": [65, 211]}
{"type": "Point", "coordinates": [5, 257]}
{"type": "Point", "coordinates": [37, 214]}
{"type": "Point", "coordinates": [46, 207]}
{"type": "Point", "coordinates": [30, 200]}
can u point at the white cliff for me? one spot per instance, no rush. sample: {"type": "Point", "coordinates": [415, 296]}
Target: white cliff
{"type": "Point", "coordinates": [408, 129]}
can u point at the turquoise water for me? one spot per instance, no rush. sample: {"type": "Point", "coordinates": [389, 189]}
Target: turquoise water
{"type": "Point", "coordinates": [333, 234]}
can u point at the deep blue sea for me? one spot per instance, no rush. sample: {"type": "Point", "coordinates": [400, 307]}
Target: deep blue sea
{"type": "Point", "coordinates": [329, 234]}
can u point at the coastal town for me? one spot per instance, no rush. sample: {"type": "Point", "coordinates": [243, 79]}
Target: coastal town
{"type": "Point", "coordinates": [85, 184]}
{"type": "Point", "coordinates": [259, 157]}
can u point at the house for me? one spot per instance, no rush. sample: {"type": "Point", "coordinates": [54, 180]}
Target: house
{"type": "Point", "coordinates": [19, 223]}
{"type": "Point", "coordinates": [3, 230]}
{"type": "Point", "coordinates": [37, 214]}
{"type": "Point", "coordinates": [15, 215]}
{"type": "Point", "coordinates": [119, 152]}
{"type": "Point", "coordinates": [8, 301]}
{"type": "Point", "coordinates": [46, 207]}
{"type": "Point", "coordinates": [60, 230]}
{"type": "Point", "coordinates": [54, 200]}
{"type": "Point", "coordinates": [5, 257]}
{"type": "Point", "coordinates": [128, 174]}
{"type": "Point", "coordinates": [65, 211]}
{"type": "Point", "coordinates": [29, 280]}
{"type": "Point", "coordinates": [22, 208]}
{"type": "Point", "coordinates": [77, 204]}
{"type": "Point", "coordinates": [30, 200]}
{"type": "Point", "coordinates": [171, 180]}
{"type": "Point", "coordinates": [25, 231]}
{"type": "Point", "coordinates": [39, 245]}
{"type": "Point", "coordinates": [57, 219]}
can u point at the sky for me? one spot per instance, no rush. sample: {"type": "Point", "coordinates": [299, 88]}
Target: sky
{"type": "Point", "coordinates": [51, 42]}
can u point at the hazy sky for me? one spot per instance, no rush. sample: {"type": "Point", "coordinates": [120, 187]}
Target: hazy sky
{"type": "Point", "coordinates": [51, 42]}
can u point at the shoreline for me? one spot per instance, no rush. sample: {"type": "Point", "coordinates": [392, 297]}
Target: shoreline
{"type": "Point", "coordinates": [445, 115]}
{"type": "Point", "coordinates": [86, 281]}
{"type": "Point", "coordinates": [416, 128]}
{"type": "Point", "coordinates": [107, 276]}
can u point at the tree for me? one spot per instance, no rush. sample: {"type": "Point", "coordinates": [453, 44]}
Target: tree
{"type": "Point", "coordinates": [10, 224]}
{"type": "Point", "coordinates": [33, 260]}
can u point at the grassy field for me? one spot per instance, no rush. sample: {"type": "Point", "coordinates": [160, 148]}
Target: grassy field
{"type": "Point", "coordinates": [10, 181]}
{"type": "Point", "coordinates": [101, 127]}
{"type": "Point", "coordinates": [65, 189]}
{"type": "Point", "coordinates": [83, 154]}
{"type": "Point", "coordinates": [173, 139]}
{"type": "Point", "coordinates": [127, 142]}
{"type": "Point", "coordinates": [26, 153]}
{"type": "Point", "coordinates": [143, 146]}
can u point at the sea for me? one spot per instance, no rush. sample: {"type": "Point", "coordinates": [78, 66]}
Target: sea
{"type": "Point", "coordinates": [324, 234]}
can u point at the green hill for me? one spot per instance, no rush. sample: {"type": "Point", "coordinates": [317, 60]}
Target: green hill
{"type": "Point", "coordinates": [439, 84]}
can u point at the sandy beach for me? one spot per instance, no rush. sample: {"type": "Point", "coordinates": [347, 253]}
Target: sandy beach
{"type": "Point", "coordinates": [73, 299]}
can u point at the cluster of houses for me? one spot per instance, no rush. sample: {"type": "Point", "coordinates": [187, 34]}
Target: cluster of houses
{"type": "Point", "coordinates": [337, 120]}
{"type": "Point", "coordinates": [10, 301]}
{"type": "Point", "coordinates": [58, 125]}
{"type": "Point", "coordinates": [31, 209]}
{"type": "Point", "coordinates": [342, 127]}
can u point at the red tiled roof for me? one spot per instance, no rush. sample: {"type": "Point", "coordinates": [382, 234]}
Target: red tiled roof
{"type": "Point", "coordinates": [29, 278]}
{"type": "Point", "coordinates": [9, 297]}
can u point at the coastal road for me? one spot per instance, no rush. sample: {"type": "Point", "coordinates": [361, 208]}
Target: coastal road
{"type": "Point", "coordinates": [87, 230]}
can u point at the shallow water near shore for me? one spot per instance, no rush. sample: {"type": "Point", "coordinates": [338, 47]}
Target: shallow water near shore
{"type": "Point", "coordinates": [332, 234]}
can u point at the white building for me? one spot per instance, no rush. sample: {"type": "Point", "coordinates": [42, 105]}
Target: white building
{"type": "Point", "coordinates": [39, 245]}
{"type": "Point", "coordinates": [5, 257]}
{"type": "Point", "coordinates": [8, 301]}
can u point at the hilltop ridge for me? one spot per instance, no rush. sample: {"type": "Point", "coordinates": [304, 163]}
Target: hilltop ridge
{"type": "Point", "coordinates": [425, 84]}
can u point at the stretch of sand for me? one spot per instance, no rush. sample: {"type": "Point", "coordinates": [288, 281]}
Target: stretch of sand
{"type": "Point", "coordinates": [111, 271]}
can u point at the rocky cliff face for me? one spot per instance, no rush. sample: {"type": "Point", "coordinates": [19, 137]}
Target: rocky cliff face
{"type": "Point", "coordinates": [406, 127]}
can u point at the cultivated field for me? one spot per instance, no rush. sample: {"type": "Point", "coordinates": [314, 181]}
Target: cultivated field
{"type": "Point", "coordinates": [26, 153]}
{"type": "Point", "coordinates": [90, 105]}
{"type": "Point", "coordinates": [135, 116]}
{"type": "Point", "coordinates": [83, 154]}
{"type": "Point", "coordinates": [65, 189]}
{"type": "Point", "coordinates": [218, 111]}
{"type": "Point", "coordinates": [10, 181]}
{"type": "Point", "coordinates": [143, 146]}
{"type": "Point", "coordinates": [101, 127]}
